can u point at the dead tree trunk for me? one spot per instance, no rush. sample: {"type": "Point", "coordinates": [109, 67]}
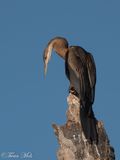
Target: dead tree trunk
{"type": "Point", "coordinates": [73, 144]}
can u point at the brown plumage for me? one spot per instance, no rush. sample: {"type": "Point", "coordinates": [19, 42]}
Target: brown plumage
{"type": "Point", "coordinates": [81, 71]}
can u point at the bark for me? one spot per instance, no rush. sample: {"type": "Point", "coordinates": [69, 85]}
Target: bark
{"type": "Point", "coordinates": [73, 144]}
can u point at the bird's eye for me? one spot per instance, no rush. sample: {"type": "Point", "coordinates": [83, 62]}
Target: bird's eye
{"type": "Point", "coordinates": [45, 57]}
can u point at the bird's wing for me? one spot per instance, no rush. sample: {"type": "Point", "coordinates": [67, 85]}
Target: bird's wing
{"type": "Point", "coordinates": [91, 73]}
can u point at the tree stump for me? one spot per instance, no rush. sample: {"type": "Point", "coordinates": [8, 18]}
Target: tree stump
{"type": "Point", "coordinates": [73, 144]}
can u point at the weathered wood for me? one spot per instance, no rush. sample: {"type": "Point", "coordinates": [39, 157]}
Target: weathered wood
{"type": "Point", "coordinates": [73, 144]}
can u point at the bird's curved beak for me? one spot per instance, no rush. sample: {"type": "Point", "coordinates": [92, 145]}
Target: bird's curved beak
{"type": "Point", "coordinates": [45, 68]}
{"type": "Point", "coordinates": [47, 56]}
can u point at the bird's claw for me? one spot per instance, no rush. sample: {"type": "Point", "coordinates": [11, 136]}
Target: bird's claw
{"type": "Point", "coordinates": [73, 91]}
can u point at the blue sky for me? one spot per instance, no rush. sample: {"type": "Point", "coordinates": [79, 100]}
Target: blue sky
{"type": "Point", "coordinates": [29, 104]}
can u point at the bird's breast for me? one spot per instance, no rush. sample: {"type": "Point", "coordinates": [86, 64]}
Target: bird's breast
{"type": "Point", "coordinates": [74, 81]}
{"type": "Point", "coordinates": [73, 73]}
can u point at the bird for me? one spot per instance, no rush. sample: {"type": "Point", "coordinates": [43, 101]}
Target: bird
{"type": "Point", "coordinates": [80, 70]}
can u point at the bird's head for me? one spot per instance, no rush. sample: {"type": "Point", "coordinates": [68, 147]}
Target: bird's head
{"type": "Point", "coordinates": [46, 58]}
{"type": "Point", "coordinates": [59, 45]}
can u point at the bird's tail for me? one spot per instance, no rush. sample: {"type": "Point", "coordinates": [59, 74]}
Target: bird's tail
{"type": "Point", "coordinates": [88, 122]}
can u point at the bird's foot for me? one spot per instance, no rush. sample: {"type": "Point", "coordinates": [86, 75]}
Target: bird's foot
{"type": "Point", "coordinates": [73, 91]}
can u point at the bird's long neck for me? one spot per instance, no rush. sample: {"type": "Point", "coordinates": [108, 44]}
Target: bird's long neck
{"type": "Point", "coordinates": [61, 52]}
{"type": "Point", "coordinates": [59, 45]}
